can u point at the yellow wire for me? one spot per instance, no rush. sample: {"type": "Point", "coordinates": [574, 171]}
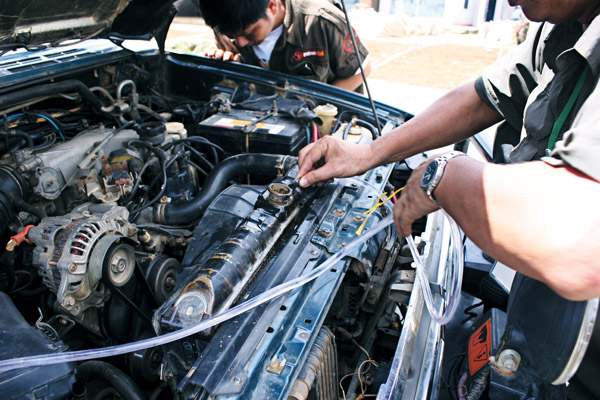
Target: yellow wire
{"type": "Point", "coordinates": [378, 204]}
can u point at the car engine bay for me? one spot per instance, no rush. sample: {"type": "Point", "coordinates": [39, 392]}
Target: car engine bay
{"type": "Point", "coordinates": [143, 195]}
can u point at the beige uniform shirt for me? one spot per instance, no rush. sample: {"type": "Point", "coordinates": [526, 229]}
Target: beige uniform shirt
{"type": "Point", "coordinates": [530, 87]}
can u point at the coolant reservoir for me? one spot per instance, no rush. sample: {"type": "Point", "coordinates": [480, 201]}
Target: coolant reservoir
{"type": "Point", "coordinates": [327, 113]}
{"type": "Point", "coordinates": [356, 133]}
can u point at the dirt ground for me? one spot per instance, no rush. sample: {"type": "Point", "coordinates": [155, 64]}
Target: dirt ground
{"type": "Point", "coordinates": [440, 65]}
{"type": "Point", "coordinates": [442, 61]}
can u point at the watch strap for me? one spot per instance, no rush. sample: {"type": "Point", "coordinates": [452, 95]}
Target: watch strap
{"type": "Point", "coordinates": [442, 161]}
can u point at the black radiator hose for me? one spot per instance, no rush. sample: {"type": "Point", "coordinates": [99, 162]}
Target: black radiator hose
{"type": "Point", "coordinates": [186, 212]}
{"type": "Point", "coordinates": [113, 376]}
{"type": "Point", "coordinates": [51, 89]}
{"type": "Point", "coordinates": [13, 189]}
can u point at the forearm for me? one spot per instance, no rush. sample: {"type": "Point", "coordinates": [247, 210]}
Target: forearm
{"type": "Point", "coordinates": [456, 116]}
{"type": "Point", "coordinates": [354, 81]}
{"type": "Point", "coordinates": [538, 219]}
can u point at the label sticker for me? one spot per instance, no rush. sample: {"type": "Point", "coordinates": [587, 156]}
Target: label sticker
{"type": "Point", "coordinates": [240, 123]}
{"type": "Point", "coordinates": [480, 345]}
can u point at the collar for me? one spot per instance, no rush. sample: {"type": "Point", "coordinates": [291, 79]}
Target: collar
{"type": "Point", "coordinates": [588, 45]}
{"type": "Point", "coordinates": [560, 40]}
{"type": "Point", "coordinates": [291, 23]}
{"type": "Point", "coordinates": [567, 44]}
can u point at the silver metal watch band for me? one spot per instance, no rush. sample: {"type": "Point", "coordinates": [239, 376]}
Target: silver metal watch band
{"type": "Point", "coordinates": [442, 162]}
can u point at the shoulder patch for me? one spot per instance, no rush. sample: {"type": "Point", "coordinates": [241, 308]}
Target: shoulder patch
{"type": "Point", "coordinates": [348, 45]}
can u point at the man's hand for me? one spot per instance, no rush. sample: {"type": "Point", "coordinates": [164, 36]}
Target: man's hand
{"type": "Point", "coordinates": [413, 203]}
{"type": "Point", "coordinates": [225, 55]}
{"type": "Point", "coordinates": [331, 158]}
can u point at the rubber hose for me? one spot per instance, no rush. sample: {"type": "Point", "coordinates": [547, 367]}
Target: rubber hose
{"type": "Point", "coordinates": [12, 133]}
{"type": "Point", "coordinates": [346, 130]}
{"type": "Point", "coordinates": [369, 126]}
{"type": "Point", "coordinates": [186, 212]}
{"type": "Point", "coordinates": [51, 89]}
{"type": "Point", "coordinates": [110, 374]}
{"type": "Point", "coordinates": [13, 189]}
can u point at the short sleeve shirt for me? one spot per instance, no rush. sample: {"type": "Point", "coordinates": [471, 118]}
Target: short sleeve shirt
{"type": "Point", "coordinates": [315, 43]}
{"type": "Point", "coordinates": [530, 86]}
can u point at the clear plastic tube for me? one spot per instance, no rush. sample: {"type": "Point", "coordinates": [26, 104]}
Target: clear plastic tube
{"type": "Point", "coordinates": [456, 272]}
{"type": "Point", "coordinates": [71, 356]}
{"type": "Point", "coordinates": [445, 317]}
{"type": "Point", "coordinates": [455, 278]}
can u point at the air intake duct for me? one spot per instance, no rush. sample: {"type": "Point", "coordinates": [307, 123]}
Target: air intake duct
{"type": "Point", "coordinates": [12, 190]}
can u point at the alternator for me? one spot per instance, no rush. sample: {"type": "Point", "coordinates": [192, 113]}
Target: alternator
{"type": "Point", "coordinates": [76, 251]}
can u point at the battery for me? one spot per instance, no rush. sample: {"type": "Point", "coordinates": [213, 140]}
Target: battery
{"type": "Point", "coordinates": [245, 131]}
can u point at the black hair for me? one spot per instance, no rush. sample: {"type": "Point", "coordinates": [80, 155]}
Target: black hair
{"type": "Point", "coordinates": [230, 17]}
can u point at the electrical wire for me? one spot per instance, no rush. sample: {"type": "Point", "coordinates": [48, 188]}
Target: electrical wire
{"type": "Point", "coordinates": [362, 70]}
{"type": "Point", "coordinates": [315, 131]}
{"type": "Point", "coordinates": [40, 116]}
{"type": "Point", "coordinates": [162, 189]}
{"type": "Point", "coordinates": [456, 276]}
{"type": "Point", "coordinates": [308, 135]}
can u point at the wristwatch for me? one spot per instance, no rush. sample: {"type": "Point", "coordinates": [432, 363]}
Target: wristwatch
{"type": "Point", "coordinates": [434, 171]}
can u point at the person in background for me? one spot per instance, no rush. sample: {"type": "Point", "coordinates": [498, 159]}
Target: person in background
{"type": "Point", "coordinates": [308, 38]}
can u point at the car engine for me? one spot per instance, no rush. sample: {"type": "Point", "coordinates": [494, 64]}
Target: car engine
{"type": "Point", "coordinates": [145, 194]}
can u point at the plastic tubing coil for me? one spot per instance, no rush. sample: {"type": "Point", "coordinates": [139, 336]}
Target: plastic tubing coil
{"type": "Point", "coordinates": [456, 276]}
{"type": "Point", "coordinates": [456, 273]}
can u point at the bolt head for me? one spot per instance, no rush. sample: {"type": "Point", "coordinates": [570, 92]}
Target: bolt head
{"type": "Point", "coordinates": [118, 265]}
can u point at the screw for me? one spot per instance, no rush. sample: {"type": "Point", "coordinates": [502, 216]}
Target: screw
{"type": "Point", "coordinates": [68, 302]}
{"type": "Point", "coordinates": [325, 232]}
{"type": "Point", "coordinates": [237, 381]}
{"type": "Point", "coordinates": [509, 364]}
{"type": "Point", "coordinates": [359, 218]}
{"type": "Point", "coordinates": [72, 268]}
{"type": "Point", "coordinates": [338, 212]}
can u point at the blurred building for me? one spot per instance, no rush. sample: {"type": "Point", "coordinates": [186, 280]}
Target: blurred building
{"type": "Point", "coordinates": [456, 12]}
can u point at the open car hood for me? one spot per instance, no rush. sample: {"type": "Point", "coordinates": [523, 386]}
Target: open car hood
{"type": "Point", "coordinates": [42, 22]}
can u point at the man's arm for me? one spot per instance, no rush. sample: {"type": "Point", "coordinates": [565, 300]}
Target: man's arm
{"type": "Point", "coordinates": [456, 116]}
{"type": "Point", "coordinates": [354, 81]}
{"type": "Point", "coordinates": [541, 220]}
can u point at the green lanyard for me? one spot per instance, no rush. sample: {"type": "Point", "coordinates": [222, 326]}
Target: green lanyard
{"type": "Point", "coordinates": [565, 112]}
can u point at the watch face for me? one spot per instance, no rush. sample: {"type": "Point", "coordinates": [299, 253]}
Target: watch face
{"type": "Point", "coordinates": [429, 173]}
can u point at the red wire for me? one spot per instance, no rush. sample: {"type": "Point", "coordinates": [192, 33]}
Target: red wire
{"type": "Point", "coordinates": [315, 132]}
